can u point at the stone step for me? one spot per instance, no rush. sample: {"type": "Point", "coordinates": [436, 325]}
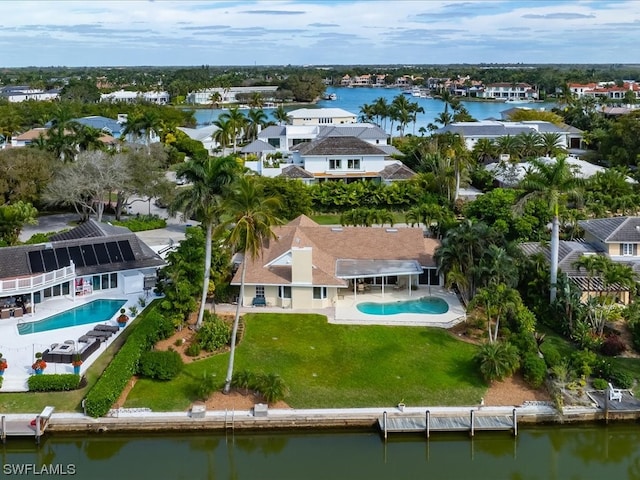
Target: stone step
{"type": "Point", "coordinates": [14, 384]}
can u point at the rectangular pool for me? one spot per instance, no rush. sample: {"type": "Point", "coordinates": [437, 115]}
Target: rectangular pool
{"type": "Point", "coordinates": [92, 312]}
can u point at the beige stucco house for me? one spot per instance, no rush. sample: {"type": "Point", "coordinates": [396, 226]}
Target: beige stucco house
{"type": "Point", "coordinates": [309, 265]}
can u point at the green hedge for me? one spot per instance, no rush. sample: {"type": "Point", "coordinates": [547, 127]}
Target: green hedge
{"type": "Point", "coordinates": [142, 223]}
{"type": "Point", "coordinates": [160, 365]}
{"type": "Point", "coordinates": [54, 383]}
{"type": "Point", "coordinates": [150, 328]}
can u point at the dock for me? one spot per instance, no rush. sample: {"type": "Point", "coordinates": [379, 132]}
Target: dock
{"type": "Point", "coordinates": [427, 423]}
{"type": "Point", "coordinates": [25, 427]}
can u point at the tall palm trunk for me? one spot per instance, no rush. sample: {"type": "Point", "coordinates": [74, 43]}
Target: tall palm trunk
{"type": "Point", "coordinates": [234, 331]}
{"type": "Point", "coordinates": [207, 270]}
{"type": "Point", "coordinates": [555, 245]}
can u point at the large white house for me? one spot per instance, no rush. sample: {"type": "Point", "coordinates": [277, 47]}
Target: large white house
{"type": "Point", "coordinates": [89, 258]}
{"type": "Point", "coordinates": [321, 116]}
{"type": "Point", "coordinates": [229, 95]}
{"type": "Point", "coordinates": [22, 93]}
{"type": "Point", "coordinates": [159, 98]}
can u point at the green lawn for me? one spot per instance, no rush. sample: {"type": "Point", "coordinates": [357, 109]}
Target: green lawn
{"type": "Point", "coordinates": [330, 366]}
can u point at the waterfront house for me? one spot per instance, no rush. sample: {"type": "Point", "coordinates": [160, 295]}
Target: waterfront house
{"type": "Point", "coordinates": [321, 116]}
{"type": "Point", "coordinates": [229, 95]}
{"type": "Point", "coordinates": [22, 93]}
{"type": "Point", "coordinates": [509, 91]}
{"type": "Point", "coordinates": [310, 266]}
{"type": "Point", "coordinates": [87, 259]}
{"type": "Point", "coordinates": [203, 135]}
{"type": "Point", "coordinates": [126, 96]}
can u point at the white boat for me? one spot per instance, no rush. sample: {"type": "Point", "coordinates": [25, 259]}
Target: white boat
{"type": "Point", "coordinates": [518, 100]}
{"type": "Point", "coordinates": [330, 96]}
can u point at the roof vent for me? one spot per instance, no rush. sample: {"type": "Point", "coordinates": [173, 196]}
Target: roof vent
{"type": "Point", "coordinates": [336, 229]}
{"type": "Point", "coordinates": [48, 246]}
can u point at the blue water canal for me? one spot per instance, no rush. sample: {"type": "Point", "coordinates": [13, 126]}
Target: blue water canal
{"type": "Point", "coordinates": [351, 99]}
{"type": "Point", "coordinates": [551, 452]}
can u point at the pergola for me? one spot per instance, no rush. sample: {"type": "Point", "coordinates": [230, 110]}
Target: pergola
{"type": "Point", "coordinates": [360, 269]}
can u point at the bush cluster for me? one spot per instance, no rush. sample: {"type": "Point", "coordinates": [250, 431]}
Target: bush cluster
{"type": "Point", "coordinates": [269, 385]}
{"type": "Point", "coordinates": [54, 382]}
{"type": "Point", "coordinates": [142, 223]}
{"type": "Point", "coordinates": [612, 346]}
{"type": "Point", "coordinates": [151, 327]}
{"type": "Point", "coordinates": [534, 370]}
{"type": "Point", "coordinates": [160, 365]}
{"type": "Point", "coordinates": [193, 350]}
{"type": "Point", "coordinates": [213, 334]}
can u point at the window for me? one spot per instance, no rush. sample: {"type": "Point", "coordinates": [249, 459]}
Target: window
{"type": "Point", "coordinates": [274, 142]}
{"type": "Point", "coordinates": [114, 280]}
{"type": "Point", "coordinates": [284, 292]}
{"type": "Point", "coordinates": [335, 164]}
{"type": "Point", "coordinates": [260, 291]}
{"type": "Point", "coordinates": [319, 293]}
{"type": "Point", "coordinates": [96, 282]}
{"type": "Point", "coordinates": [627, 249]}
{"type": "Point", "coordinates": [353, 164]}
{"type": "Point", "coordinates": [105, 281]}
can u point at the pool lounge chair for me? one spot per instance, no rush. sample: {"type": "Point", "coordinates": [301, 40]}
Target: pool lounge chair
{"type": "Point", "coordinates": [99, 334]}
{"type": "Point", "coordinates": [106, 328]}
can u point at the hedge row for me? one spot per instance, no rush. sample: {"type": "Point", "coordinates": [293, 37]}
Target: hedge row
{"type": "Point", "coordinates": [142, 223]}
{"type": "Point", "coordinates": [54, 383]}
{"type": "Point", "coordinates": [150, 328]}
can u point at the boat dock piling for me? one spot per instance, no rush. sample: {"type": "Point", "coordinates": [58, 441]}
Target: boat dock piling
{"type": "Point", "coordinates": [447, 423]}
{"type": "Point", "coordinates": [24, 428]}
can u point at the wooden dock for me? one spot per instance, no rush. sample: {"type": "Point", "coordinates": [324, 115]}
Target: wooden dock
{"type": "Point", "coordinates": [25, 428]}
{"type": "Point", "coordinates": [427, 423]}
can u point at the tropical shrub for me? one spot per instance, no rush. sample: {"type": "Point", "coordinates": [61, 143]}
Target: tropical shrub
{"type": "Point", "coordinates": [620, 378]}
{"type": "Point", "coordinates": [150, 327]}
{"type": "Point", "coordinates": [214, 333]}
{"type": "Point", "coordinates": [551, 356]}
{"type": "Point", "coordinates": [612, 346]}
{"type": "Point", "coordinates": [600, 384]}
{"type": "Point", "coordinates": [632, 315]}
{"type": "Point", "coordinates": [244, 380]}
{"type": "Point", "coordinates": [208, 385]}
{"type": "Point", "coordinates": [160, 365]}
{"type": "Point", "coordinates": [497, 360]}
{"type": "Point", "coordinates": [534, 370]}
{"type": "Point", "coordinates": [271, 386]}
{"type": "Point", "coordinates": [583, 362]}
{"type": "Point", "coordinates": [54, 382]}
{"type": "Point", "coordinates": [193, 350]}
{"type": "Point", "coordinates": [142, 223]}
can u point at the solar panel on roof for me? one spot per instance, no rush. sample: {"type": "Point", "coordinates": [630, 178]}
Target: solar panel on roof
{"type": "Point", "coordinates": [101, 253]}
{"type": "Point", "coordinates": [35, 260]}
{"type": "Point", "coordinates": [127, 252]}
{"type": "Point", "coordinates": [50, 262]}
{"type": "Point", "coordinates": [76, 256]}
{"type": "Point", "coordinates": [114, 252]}
{"type": "Point", "coordinates": [63, 257]}
{"type": "Point", "coordinates": [89, 255]}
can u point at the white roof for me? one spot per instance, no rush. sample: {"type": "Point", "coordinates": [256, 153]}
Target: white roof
{"type": "Point", "coordinates": [510, 174]}
{"type": "Point", "coordinates": [200, 134]}
{"type": "Point", "coordinates": [320, 113]}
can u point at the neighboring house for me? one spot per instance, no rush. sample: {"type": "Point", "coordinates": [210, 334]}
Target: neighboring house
{"type": "Point", "coordinates": [570, 137]}
{"type": "Point", "coordinates": [159, 98]}
{"type": "Point", "coordinates": [89, 258]}
{"type": "Point", "coordinates": [109, 138]}
{"type": "Point", "coordinates": [321, 116]}
{"type": "Point", "coordinates": [107, 125]}
{"type": "Point", "coordinates": [22, 93]}
{"type": "Point", "coordinates": [607, 90]}
{"type": "Point", "coordinates": [510, 174]}
{"type": "Point", "coordinates": [27, 138]}
{"type": "Point", "coordinates": [509, 91]}
{"type": "Point", "coordinates": [228, 95]}
{"type": "Point", "coordinates": [203, 135]}
{"type": "Point", "coordinates": [309, 266]}
{"type": "Point", "coordinates": [344, 158]}
{"type": "Point", "coordinates": [616, 237]}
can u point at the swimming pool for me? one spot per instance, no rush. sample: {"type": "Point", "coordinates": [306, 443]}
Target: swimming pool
{"type": "Point", "coordinates": [429, 305]}
{"type": "Point", "coordinates": [92, 312]}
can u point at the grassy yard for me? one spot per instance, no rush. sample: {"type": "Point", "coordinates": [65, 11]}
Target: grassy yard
{"type": "Point", "coordinates": [330, 366]}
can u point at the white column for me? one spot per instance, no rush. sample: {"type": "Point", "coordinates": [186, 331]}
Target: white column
{"type": "Point", "coordinates": [410, 278]}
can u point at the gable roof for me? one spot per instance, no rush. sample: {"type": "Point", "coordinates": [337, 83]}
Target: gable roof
{"type": "Point", "coordinates": [319, 113]}
{"type": "Point", "coordinates": [294, 171]}
{"type": "Point", "coordinates": [330, 244]}
{"type": "Point", "coordinates": [338, 146]}
{"type": "Point", "coordinates": [397, 171]}
{"type": "Point", "coordinates": [258, 146]}
{"type": "Point", "coordinates": [615, 229]}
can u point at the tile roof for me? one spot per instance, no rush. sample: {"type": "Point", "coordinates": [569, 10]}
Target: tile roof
{"type": "Point", "coordinates": [32, 134]}
{"type": "Point", "coordinates": [338, 146]}
{"type": "Point", "coordinates": [613, 230]}
{"type": "Point", "coordinates": [397, 171]}
{"type": "Point", "coordinates": [258, 146]}
{"type": "Point", "coordinates": [330, 244]}
{"type": "Point", "coordinates": [294, 171]}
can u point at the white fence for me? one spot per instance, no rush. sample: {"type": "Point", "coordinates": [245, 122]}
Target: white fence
{"type": "Point", "coordinates": [41, 280]}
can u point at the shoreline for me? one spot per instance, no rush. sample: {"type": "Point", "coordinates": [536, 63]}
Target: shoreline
{"type": "Point", "coordinates": [263, 419]}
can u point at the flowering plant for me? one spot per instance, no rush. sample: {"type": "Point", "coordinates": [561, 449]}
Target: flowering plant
{"type": "Point", "coordinates": [77, 360]}
{"type": "Point", "coordinates": [122, 318]}
{"type": "Point", "coordinates": [3, 364]}
{"type": "Point", "coordinates": [39, 364]}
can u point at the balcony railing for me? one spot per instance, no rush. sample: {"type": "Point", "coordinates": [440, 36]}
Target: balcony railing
{"type": "Point", "coordinates": [41, 280]}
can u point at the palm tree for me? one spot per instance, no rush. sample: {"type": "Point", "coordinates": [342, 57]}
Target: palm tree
{"type": "Point", "coordinates": [237, 122]}
{"type": "Point", "coordinates": [367, 113]}
{"type": "Point", "coordinates": [257, 119]}
{"type": "Point", "coordinates": [251, 219]}
{"type": "Point", "coordinates": [555, 183]}
{"type": "Point", "coordinates": [208, 179]}
{"type": "Point", "coordinates": [280, 115]}
{"type": "Point", "coordinates": [497, 360]}
{"type": "Point", "coordinates": [484, 150]}
{"type": "Point", "coordinates": [529, 145]}
{"type": "Point", "coordinates": [496, 300]}
{"type": "Point", "coordinates": [507, 145]}
{"type": "Point", "coordinates": [214, 99]}
{"type": "Point", "coordinates": [256, 100]}
{"type": "Point", "coordinates": [144, 125]}
{"type": "Point", "coordinates": [381, 111]}
{"type": "Point", "coordinates": [551, 144]}
{"type": "Point", "coordinates": [223, 135]}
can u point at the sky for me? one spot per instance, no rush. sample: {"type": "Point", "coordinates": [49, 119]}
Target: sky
{"type": "Point", "coordinates": [317, 32]}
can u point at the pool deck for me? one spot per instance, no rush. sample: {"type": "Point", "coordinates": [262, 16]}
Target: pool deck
{"type": "Point", "coordinates": [346, 311]}
{"type": "Point", "coordinates": [19, 350]}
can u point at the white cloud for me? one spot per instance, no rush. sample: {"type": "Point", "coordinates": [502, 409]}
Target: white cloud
{"type": "Point", "coordinates": [303, 32]}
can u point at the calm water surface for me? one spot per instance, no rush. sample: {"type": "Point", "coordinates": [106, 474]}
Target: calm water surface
{"type": "Point", "coordinates": [558, 452]}
{"type": "Point", "coordinates": [351, 99]}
